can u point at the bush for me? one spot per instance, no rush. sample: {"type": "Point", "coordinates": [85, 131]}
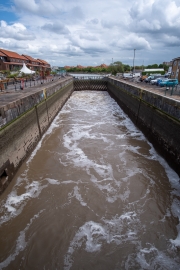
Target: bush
{"type": "Point", "coordinates": [13, 75]}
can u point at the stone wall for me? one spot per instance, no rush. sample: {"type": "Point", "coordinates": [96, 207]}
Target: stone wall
{"type": "Point", "coordinates": [16, 108]}
{"type": "Point", "coordinates": [157, 116]}
{"type": "Point", "coordinates": [20, 136]}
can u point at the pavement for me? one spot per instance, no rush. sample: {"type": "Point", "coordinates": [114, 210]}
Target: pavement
{"type": "Point", "coordinates": [13, 93]}
{"type": "Point", "coordinates": [153, 88]}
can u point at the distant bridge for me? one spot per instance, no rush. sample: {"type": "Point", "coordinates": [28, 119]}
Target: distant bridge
{"type": "Point", "coordinates": [96, 83]}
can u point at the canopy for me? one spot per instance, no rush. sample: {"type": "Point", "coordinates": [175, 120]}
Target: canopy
{"type": "Point", "coordinates": [26, 70]}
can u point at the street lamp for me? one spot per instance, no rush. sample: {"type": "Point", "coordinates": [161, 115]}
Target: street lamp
{"type": "Point", "coordinates": [134, 60]}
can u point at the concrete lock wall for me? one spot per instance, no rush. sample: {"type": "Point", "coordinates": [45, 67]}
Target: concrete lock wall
{"type": "Point", "coordinates": [157, 116]}
{"type": "Point", "coordinates": [20, 136]}
{"type": "Point", "coordinates": [24, 122]}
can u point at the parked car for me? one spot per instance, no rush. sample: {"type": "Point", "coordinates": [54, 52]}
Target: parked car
{"type": "Point", "coordinates": [127, 75]}
{"type": "Point", "coordinates": [143, 77]}
{"type": "Point", "coordinates": [160, 80]}
{"type": "Point", "coordinates": [169, 82]}
{"type": "Point", "coordinates": [149, 78]}
{"type": "Point", "coordinates": [155, 80]}
{"type": "Point", "coordinates": [152, 77]}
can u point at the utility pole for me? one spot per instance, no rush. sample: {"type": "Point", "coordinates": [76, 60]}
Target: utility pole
{"type": "Point", "coordinates": [143, 66]}
{"type": "Point", "coordinates": [134, 60]}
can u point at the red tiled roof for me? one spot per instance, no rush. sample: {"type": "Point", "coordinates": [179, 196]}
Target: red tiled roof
{"type": "Point", "coordinates": [37, 60]}
{"type": "Point", "coordinates": [12, 54]}
{"type": "Point", "coordinates": [104, 65]}
{"type": "Point", "coordinates": [43, 61]}
{"type": "Point", "coordinates": [79, 66]}
{"type": "Point", "coordinates": [30, 58]}
{"type": "Point", "coordinates": [2, 54]}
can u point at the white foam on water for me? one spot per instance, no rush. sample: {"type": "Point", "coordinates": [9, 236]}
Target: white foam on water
{"type": "Point", "coordinates": [78, 196]}
{"type": "Point", "coordinates": [68, 182]}
{"type": "Point", "coordinates": [120, 230]}
{"type": "Point", "coordinates": [21, 243]}
{"type": "Point", "coordinates": [176, 212]}
{"type": "Point", "coordinates": [58, 182]}
{"type": "Point", "coordinates": [78, 132]}
{"type": "Point", "coordinates": [93, 235]}
{"type": "Point", "coordinates": [53, 181]}
{"type": "Point", "coordinates": [76, 157]}
{"type": "Point", "coordinates": [14, 204]}
{"type": "Point", "coordinates": [152, 258]}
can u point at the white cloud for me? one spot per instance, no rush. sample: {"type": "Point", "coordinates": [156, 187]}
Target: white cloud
{"type": "Point", "coordinates": [15, 31]}
{"type": "Point", "coordinates": [86, 32]}
{"type": "Point", "coordinates": [42, 7]}
{"type": "Point", "coordinates": [88, 36]}
{"type": "Point", "coordinates": [93, 21]}
{"type": "Point", "coordinates": [57, 28]}
{"type": "Point", "coordinates": [131, 42]}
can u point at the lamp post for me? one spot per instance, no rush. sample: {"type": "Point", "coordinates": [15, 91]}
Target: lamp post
{"type": "Point", "coordinates": [134, 60]}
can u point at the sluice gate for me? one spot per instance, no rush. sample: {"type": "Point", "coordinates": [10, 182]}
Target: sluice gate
{"type": "Point", "coordinates": [87, 83]}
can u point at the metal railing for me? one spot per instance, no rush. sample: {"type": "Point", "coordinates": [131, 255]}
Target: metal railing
{"type": "Point", "coordinates": [89, 77]}
{"type": "Point", "coordinates": [20, 84]}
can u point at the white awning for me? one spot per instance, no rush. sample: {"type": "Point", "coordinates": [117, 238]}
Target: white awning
{"type": "Point", "coordinates": [26, 70]}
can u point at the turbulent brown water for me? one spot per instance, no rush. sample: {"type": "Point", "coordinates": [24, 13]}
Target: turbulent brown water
{"type": "Point", "coordinates": [93, 195]}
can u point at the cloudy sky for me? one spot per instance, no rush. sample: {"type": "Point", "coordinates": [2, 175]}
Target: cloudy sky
{"type": "Point", "coordinates": [72, 32]}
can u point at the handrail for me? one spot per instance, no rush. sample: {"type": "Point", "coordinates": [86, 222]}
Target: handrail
{"type": "Point", "coordinates": [89, 77]}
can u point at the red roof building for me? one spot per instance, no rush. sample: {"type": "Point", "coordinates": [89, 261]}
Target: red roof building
{"type": "Point", "coordinates": [79, 66]}
{"type": "Point", "coordinates": [33, 63]}
{"type": "Point", "coordinates": [67, 67]}
{"type": "Point", "coordinates": [45, 67]}
{"type": "Point", "coordinates": [13, 61]}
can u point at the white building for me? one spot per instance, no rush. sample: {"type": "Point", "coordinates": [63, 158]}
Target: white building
{"type": "Point", "coordinates": [153, 69]}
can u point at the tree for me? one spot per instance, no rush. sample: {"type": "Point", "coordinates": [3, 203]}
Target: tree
{"type": "Point", "coordinates": [161, 66]}
{"type": "Point", "coordinates": [127, 68]}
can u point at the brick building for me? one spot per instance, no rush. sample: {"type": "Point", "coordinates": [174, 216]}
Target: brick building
{"type": "Point", "coordinates": [45, 67]}
{"type": "Point", "coordinates": [175, 73]}
{"type": "Point", "coordinates": [13, 61]}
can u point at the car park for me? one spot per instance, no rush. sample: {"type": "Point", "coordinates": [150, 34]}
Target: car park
{"type": "Point", "coordinates": [168, 82]}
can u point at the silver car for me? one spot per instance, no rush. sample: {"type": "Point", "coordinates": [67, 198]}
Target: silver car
{"type": "Point", "coordinates": [155, 80]}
